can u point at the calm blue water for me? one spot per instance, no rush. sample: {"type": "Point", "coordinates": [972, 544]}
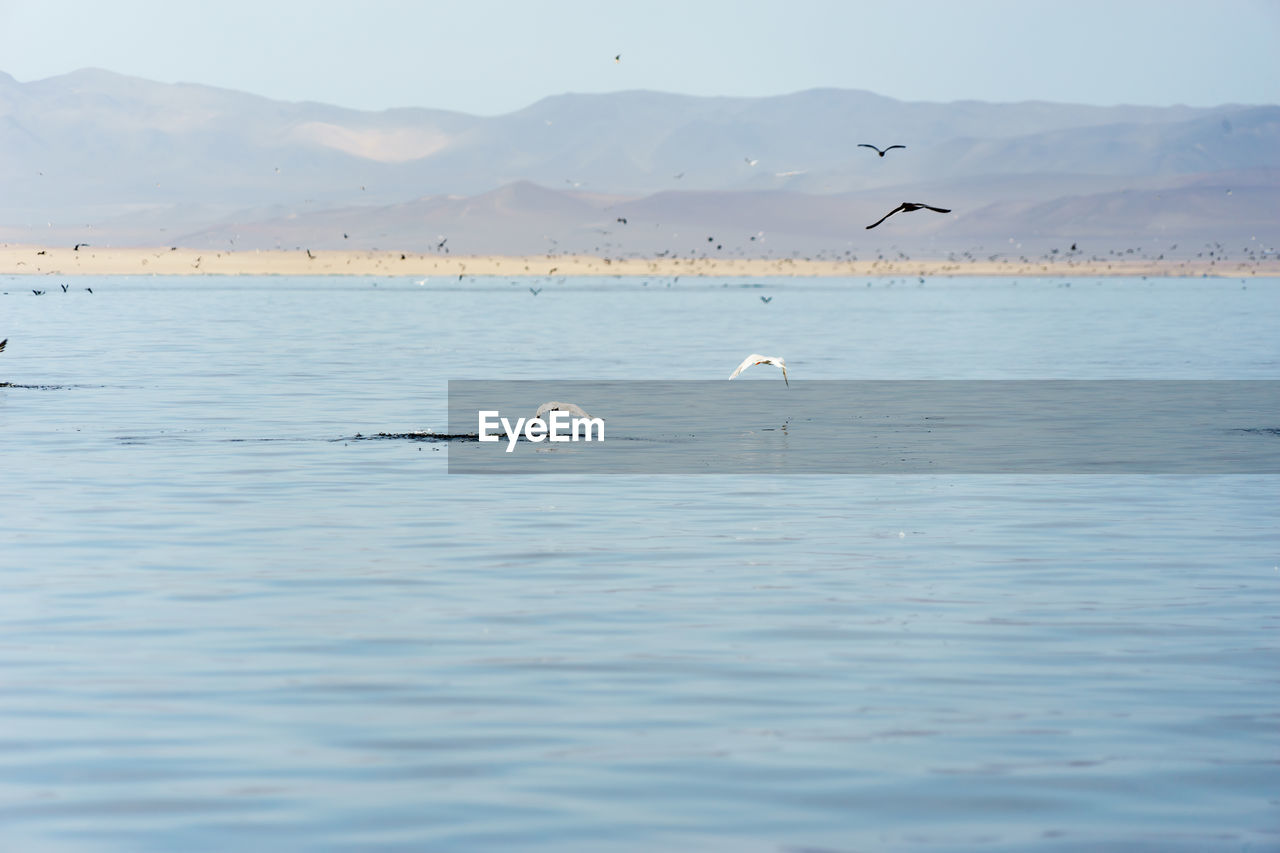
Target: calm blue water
{"type": "Point", "coordinates": [224, 627]}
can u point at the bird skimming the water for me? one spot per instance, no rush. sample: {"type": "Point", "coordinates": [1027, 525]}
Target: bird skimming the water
{"type": "Point", "coordinates": [907, 207]}
{"type": "Point", "coordinates": [553, 406]}
{"type": "Point", "coordinates": [877, 150]}
{"type": "Point", "coordinates": [755, 359]}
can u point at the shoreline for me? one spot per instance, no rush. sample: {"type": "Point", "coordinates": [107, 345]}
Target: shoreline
{"type": "Point", "coordinates": [61, 261]}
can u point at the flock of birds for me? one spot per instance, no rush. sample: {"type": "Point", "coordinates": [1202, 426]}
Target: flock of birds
{"type": "Point", "coordinates": [748, 362]}
{"type": "Point", "coordinates": [756, 358]}
{"type": "Point", "coordinates": [906, 207]}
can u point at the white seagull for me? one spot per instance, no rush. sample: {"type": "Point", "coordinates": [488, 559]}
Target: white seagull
{"type": "Point", "coordinates": [755, 358]}
{"type": "Point", "coordinates": [553, 406]}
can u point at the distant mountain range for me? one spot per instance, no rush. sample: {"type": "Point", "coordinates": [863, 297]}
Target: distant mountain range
{"type": "Point", "coordinates": [96, 156]}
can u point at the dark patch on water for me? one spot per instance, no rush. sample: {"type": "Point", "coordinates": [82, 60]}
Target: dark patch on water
{"type": "Point", "coordinates": [414, 436]}
{"type": "Point", "coordinates": [45, 387]}
{"type": "Point", "coordinates": [1260, 430]}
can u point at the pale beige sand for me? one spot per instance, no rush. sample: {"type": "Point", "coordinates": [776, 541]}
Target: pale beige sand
{"type": "Point", "coordinates": [36, 260]}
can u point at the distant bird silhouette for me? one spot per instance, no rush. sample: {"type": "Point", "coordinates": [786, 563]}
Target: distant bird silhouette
{"type": "Point", "coordinates": [64, 287]}
{"type": "Point", "coordinates": [766, 299]}
{"type": "Point", "coordinates": [37, 293]}
{"type": "Point", "coordinates": [78, 245]}
{"type": "Point", "coordinates": [309, 255]}
{"type": "Point", "coordinates": [907, 207]}
{"type": "Point", "coordinates": [877, 150]}
{"type": "Point", "coordinates": [2, 343]}
{"type": "Point", "coordinates": [622, 219]}
{"type": "Point", "coordinates": [90, 289]}
{"type": "Point", "coordinates": [535, 291]}
{"type": "Point", "coordinates": [618, 58]}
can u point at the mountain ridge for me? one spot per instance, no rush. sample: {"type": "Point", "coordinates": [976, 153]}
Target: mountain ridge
{"type": "Point", "coordinates": [95, 149]}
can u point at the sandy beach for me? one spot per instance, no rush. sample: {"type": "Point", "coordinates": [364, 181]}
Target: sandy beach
{"type": "Point", "coordinates": [88, 260]}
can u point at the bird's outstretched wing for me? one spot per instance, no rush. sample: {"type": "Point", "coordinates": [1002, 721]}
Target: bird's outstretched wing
{"type": "Point", "coordinates": [891, 147]}
{"type": "Point", "coordinates": [868, 145]}
{"type": "Point", "coordinates": [2, 343]}
{"type": "Point", "coordinates": [553, 406]}
{"type": "Point", "coordinates": [754, 358]}
{"type": "Point", "coordinates": [936, 209]}
{"type": "Point", "coordinates": [887, 215]}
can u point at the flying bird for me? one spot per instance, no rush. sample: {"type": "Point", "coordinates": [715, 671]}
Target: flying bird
{"type": "Point", "coordinates": [755, 359]}
{"type": "Point", "coordinates": [535, 291]}
{"type": "Point", "coordinates": [766, 299]}
{"type": "Point", "coordinates": [553, 406]}
{"type": "Point", "coordinates": [907, 207]}
{"type": "Point", "coordinates": [2, 343]}
{"type": "Point", "coordinates": [78, 245]}
{"type": "Point", "coordinates": [877, 150]}
{"type": "Point", "coordinates": [618, 58]}
{"type": "Point", "coordinates": [750, 161]}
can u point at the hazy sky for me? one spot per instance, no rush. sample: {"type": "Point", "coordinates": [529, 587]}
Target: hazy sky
{"type": "Point", "coordinates": [494, 57]}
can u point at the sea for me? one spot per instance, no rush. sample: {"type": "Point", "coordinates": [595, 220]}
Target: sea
{"type": "Point", "coordinates": [233, 617]}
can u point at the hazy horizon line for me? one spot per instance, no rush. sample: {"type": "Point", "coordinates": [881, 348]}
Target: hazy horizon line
{"type": "Point", "coordinates": [94, 69]}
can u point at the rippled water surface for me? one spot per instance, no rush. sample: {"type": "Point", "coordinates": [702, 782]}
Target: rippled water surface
{"type": "Point", "coordinates": [225, 625]}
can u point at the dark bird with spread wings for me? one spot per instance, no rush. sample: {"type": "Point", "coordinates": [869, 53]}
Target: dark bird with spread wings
{"type": "Point", "coordinates": [877, 150]}
{"type": "Point", "coordinates": [907, 207]}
